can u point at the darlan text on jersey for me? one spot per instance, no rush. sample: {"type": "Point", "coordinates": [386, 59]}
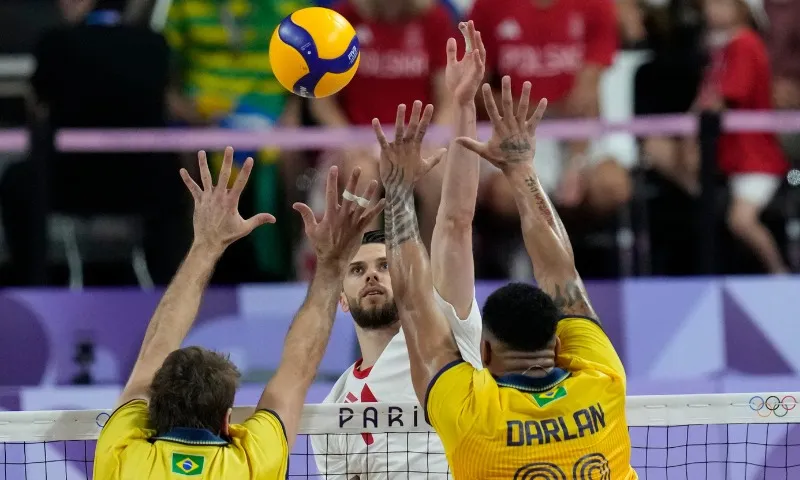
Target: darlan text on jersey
{"type": "Point", "coordinates": [586, 421]}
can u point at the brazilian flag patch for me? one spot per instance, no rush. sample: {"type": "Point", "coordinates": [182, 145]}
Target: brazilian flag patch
{"type": "Point", "coordinates": [545, 398]}
{"type": "Point", "coordinates": [187, 465]}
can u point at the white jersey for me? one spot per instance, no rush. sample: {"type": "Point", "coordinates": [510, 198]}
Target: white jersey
{"type": "Point", "coordinates": [391, 456]}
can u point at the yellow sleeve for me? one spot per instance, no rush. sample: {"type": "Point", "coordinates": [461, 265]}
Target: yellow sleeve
{"type": "Point", "coordinates": [128, 423]}
{"type": "Point", "coordinates": [451, 403]}
{"type": "Point", "coordinates": [265, 444]}
{"type": "Point", "coordinates": [584, 338]}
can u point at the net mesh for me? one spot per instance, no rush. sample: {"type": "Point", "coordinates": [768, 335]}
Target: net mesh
{"type": "Point", "coordinates": [684, 437]}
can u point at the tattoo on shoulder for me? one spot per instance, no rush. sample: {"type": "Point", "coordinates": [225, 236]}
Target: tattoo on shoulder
{"type": "Point", "coordinates": [571, 299]}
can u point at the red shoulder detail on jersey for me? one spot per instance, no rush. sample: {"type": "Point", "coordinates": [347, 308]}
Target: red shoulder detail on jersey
{"type": "Point", "coordinates": [358, 373]}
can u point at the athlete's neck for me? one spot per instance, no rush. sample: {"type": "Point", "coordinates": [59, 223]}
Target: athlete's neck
{"type": "Point", "coordinates": [373, 342]}
{"type": "Point", "coordinates": [531, 364]}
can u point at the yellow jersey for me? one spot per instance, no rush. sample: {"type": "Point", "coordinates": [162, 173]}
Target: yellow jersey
{"type": "Point", "coordinates": [128, 450]}
{"type": "Point", "coordinates": [569, 425]}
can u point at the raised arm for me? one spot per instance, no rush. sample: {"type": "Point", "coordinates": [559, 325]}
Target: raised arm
{"type": "Point", "coordinates": [511, 149]}
{"type": "Point", "coordinates": [430, 340]}
{"type": "Point", "coordinates": [217, 224]}
{"type": "Point", "coordinates": [554, 267]}
{"type": "Point", "coordinates": [335, 240]}
{"type": "Point", "coordinates": [451, 247]}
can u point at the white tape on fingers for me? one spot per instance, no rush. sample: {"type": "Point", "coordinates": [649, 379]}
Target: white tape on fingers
{"type": "Point", "coordinates": [465, 31]}
{"type": "Point", "coordinates": [361, 201]}
{"type": "Point", "coordinates": [349, 196]}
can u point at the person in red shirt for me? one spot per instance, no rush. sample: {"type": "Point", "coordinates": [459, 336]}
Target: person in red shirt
{"type": "Point", "coordinates": [737, 77]}
{"type": "Point", "coordinates": [562, 47]}
{"type": "Point", "coordinates": [402, 59]}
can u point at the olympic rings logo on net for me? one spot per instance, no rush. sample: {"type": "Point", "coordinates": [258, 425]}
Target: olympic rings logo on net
{"type": "Point", "coordinates": [780, 407]}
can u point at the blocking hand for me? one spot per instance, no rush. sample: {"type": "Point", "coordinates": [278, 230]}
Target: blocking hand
{"type": "Point", "coordinates": [337, 237]}
{"type": "Point", "coordinates": [513, 140]}
{"type": "Point", "coordinates": [463, 77]}
{"type": "Point", "coordinates": [217, 222]}
{"type": "Point", "coordinates": [401, 164]}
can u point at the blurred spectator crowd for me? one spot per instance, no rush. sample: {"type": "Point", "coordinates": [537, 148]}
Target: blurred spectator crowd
{"type": "Point", "coordinates": [627, 202]}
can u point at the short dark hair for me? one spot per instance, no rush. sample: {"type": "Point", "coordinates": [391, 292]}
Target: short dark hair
{"type": "Point", "coordinates": [373, 236]}
{"type": "Point", "coordinates": [194, 388]}
{"type": "Point", "coordinates": [521, 316]}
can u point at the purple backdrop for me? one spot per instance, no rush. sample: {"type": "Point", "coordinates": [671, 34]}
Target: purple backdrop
{"type": "Point", "coordinates": [673, 335]}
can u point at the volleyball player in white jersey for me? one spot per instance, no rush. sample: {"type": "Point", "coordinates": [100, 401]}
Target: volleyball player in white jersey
{"type": "Point", "coordinates": [383, 374]}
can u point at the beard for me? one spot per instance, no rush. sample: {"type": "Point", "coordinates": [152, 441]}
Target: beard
{"type": "Point", "coordinates": [374, 318]}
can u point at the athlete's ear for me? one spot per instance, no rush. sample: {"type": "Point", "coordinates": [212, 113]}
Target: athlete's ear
{"type": "Point", "coordinates": [226, 423]}
{"type": "Point", "coordinates": [557, 348]}
{"type": "Point", "coordinates": [344, 303]}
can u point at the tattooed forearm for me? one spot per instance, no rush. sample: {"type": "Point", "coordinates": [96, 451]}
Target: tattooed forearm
{"type": "Point", "coordinates": [400, 212]}
{"type": "Point", "coordinates": [401, 217]}
{"type": "Point", "coordinates": [541, 201]}
{"type": "Point", "coordinates": [548, 211]}
{"type": "Point", "coordinates": [551, 252]}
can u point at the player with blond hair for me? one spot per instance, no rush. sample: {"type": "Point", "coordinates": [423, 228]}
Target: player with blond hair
{"type": "Point", "coordinates": [174, 414]}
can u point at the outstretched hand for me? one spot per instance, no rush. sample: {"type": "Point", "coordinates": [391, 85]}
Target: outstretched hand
{"type": "Point", "coordinates": [463, 77]}
{"type": "Point", "coordinates": [513, 140]}
{"type": "Point", "coordinates": [217, 222]}
{"type": "Point", "coordinates": [401, 163]}
{"type": "Point", "coordinates": [337, 236]}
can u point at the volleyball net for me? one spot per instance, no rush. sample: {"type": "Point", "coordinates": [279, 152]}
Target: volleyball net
{"type": "Point", "coordinates": [673, 437]}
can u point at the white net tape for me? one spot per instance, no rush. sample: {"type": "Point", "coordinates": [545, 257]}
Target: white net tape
{"type": "Point", "coordinates": [689, 437]}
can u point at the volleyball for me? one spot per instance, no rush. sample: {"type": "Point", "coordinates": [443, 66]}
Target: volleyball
{"type": "Point", "coordinates": [314, 52]}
